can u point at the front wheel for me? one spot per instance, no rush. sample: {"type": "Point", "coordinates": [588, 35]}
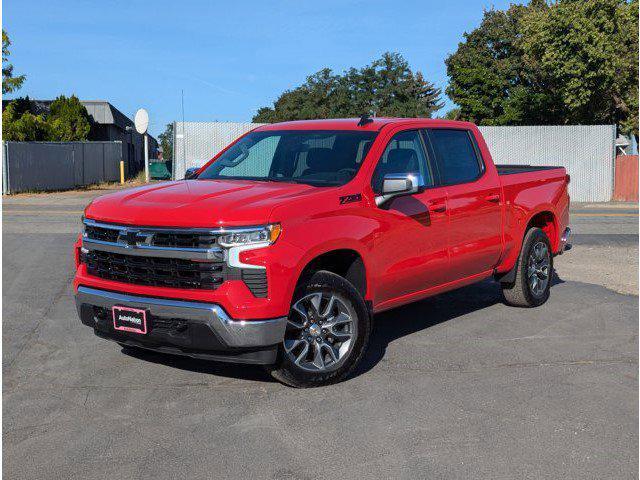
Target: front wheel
{"type": "Point", "coordinates": [327, 333]}
{"type": "Point", "coordinates": [534, 272]}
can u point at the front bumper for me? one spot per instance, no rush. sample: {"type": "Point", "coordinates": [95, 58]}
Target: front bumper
{"type": "Point", "coordinates": [199, 330]}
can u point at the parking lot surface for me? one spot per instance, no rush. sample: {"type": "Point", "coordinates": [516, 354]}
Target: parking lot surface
{"type": "Point", "coordinates": [456, 386]}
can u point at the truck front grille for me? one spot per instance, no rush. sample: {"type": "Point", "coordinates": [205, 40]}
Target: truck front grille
{"type": "Point", "coordinates": [155, 238]}
{"type": "Point", "coordinates": [183, 240]}
{"type": "Point", "coordinates": [187, 258]}
{"type": "Point", "coordinates": [157, 272]}
{"type": "Point", "coordinates": [102, 234]}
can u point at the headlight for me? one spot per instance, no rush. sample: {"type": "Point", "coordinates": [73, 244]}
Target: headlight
{"type": "Point", "coordinates": [251, 236]}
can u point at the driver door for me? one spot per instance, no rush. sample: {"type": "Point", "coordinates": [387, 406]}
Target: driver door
{"type": "Point", "coordinates": [411, 248]}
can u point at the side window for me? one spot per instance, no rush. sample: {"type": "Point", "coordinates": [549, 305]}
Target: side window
{"type": "Point", "coordinates": [404, 154]}
{"type": "Point", "coordinates": [456, 155]}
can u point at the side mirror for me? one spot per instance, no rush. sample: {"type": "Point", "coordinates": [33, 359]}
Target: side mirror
{"type": "Point", "coordinates": [398, 184]}
{"type": "Point", "coordinates": [191, 173]}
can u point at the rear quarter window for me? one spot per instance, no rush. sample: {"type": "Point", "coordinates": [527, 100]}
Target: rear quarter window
{"type": "Point", "coordinates": [456, 155]}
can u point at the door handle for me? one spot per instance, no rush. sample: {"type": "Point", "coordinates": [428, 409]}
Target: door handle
{"type": "Point", "coordinates": [439, 208]}
{"type": "Point", "coordinates": [493, 198]}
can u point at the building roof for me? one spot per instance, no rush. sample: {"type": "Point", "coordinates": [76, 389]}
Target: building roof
{"type": "Point", "coordinates": [102, 112]}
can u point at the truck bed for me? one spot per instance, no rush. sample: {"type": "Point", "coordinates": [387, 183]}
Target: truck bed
{"type": "Point", "coordinates": [511, 169]}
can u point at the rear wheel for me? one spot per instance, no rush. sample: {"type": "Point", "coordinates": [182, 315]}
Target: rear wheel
{"type": "Point", "coordinates": [327, 333]}
{"type": "Point", "coordinates": [534, 272]}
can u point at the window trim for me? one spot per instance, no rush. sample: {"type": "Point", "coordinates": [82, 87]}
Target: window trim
{"type": "Point", "coordinates": [429, 164]}
{"type": "Point", "coordinates": [476, 150]}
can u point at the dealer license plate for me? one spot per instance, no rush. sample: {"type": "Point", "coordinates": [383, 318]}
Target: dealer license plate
{"type": "Point", "coordinates": [129, 319]}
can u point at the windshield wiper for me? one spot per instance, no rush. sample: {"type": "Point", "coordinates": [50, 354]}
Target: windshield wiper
{"type": "Point", "coordinates": [281, 180]}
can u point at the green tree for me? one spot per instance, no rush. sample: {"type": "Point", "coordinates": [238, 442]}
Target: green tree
{"type": "Point", "coordinates": [488, 77]}
{"type": "Point", "coordinates": [566, 62]}
{"type": "Point", "coordinates": [386, 87]}
{"type": "Point", "coordinates": [68, 120]}
{"type": "Point", "coordinates": [453, 114]}
{"type": "Point", "coordinates": [166, 142]}
{"type": "Point", "coordinates": [585, 55]}
{"type": "Point", "coordinates": [19, 124]}
{"type": "Point", "coordinates": [9, 82]}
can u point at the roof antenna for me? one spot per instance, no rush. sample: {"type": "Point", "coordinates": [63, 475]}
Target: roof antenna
{"type": "Point", "coordinates": [364, 119]}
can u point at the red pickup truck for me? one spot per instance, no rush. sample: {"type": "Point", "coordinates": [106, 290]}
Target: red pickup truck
{"type": "Point", "coordinates": [281, 248]}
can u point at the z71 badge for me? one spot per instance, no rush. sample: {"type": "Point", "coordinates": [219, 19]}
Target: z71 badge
{"type": "Point", "coordinates": [356, 197]}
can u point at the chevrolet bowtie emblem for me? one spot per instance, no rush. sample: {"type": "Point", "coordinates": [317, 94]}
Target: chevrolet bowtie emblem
{"type": "Point", "coordinates": [132, 238]}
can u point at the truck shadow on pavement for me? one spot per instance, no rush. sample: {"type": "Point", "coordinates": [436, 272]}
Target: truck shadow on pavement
{"type": "Point", "coordinates": [412, 318]}
{"type": "Point", "coordinates": [388, 326]}
{"type": "Point", "coordinates": [220, 369]}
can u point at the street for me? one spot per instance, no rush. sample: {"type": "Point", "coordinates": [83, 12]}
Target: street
{"type": "Point", "coordinates": [456, 386]}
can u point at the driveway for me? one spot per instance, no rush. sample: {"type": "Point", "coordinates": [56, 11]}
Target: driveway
{"type": "Point", "coordinates": [457, 386]}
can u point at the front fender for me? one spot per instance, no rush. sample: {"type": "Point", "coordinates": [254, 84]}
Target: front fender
{"type": "Point", "coordinates": [315, 235]}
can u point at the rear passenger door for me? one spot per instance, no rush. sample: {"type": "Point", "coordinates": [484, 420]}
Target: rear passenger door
{"type": "Point", "coordinates": [473, 202]}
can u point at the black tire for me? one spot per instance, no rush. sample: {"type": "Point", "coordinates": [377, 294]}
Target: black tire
{"type": "Point", "coordinates": [328, 285]}
{"type": "Point", "coordinates": [520, 293]}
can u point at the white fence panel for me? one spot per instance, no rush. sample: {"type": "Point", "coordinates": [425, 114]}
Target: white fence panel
{"type": "Point", "coordinates": [586, 151]}
{"type": "Point", "coordinates": [195, 143]}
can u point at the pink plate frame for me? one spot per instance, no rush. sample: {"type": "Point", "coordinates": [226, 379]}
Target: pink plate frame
{"type": "Point", "coordinates": [130, 329]}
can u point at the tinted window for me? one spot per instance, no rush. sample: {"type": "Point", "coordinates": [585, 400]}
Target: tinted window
{"type": "Point", "coordinates": [315, 157]}
{"type": "Point", "coordinates": [456, 155]}
{"type": "Point", "coordinates": [404, 154]}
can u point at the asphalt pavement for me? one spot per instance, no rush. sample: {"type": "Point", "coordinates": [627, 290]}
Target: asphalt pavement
{"type": "Point", "coordinates": [456, 386]}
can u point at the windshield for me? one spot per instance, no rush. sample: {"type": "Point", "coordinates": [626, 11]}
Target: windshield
{"type": "Point", "coordinates": [321, 158]}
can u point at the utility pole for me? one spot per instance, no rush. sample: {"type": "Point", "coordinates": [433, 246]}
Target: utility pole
{"type": "Point", "coordinates": [146, 157]}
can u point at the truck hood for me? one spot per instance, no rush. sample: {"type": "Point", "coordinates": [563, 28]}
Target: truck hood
{"type": "Point", "coordinates": [196, 203]}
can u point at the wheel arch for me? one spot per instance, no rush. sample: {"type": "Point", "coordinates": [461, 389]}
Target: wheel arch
{"type": "Point", "coordinates": [346, 262]}
{"type": "Point", "coordinates": [547, 221]}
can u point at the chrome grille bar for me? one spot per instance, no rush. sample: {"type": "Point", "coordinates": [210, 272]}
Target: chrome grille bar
{"type": "Point", "coordinates": [139, 241]}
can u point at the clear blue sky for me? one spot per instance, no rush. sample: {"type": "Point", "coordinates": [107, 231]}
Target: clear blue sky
{"type": "Point", "coordinates": [230, 57]}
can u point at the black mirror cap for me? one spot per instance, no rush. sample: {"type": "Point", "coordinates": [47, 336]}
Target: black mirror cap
{"type": "Point", "coordinates": [191, 173]}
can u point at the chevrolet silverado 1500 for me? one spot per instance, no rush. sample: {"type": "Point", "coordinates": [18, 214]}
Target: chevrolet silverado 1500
{"type": "Point", "coordinates": [281, 248]}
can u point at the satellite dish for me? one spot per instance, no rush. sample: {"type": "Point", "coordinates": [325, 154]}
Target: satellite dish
{"type": "Point", "coordinates": [141, 120]}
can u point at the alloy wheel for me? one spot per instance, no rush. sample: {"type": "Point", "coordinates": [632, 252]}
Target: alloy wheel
{"type": "Point", "coordinates": [538, 268]}
{"type": "Point", "coordinates": [321, 332]}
